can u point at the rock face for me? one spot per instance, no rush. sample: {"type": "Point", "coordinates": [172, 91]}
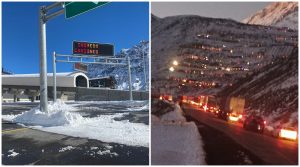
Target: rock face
{"type": "Point", "coordinates": [279, 14]}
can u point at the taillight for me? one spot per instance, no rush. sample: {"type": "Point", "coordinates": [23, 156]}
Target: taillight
{"type": "Point", "coordinates": [265, 122]}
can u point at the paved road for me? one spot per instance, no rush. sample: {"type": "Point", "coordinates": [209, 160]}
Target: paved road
{"type": "Point", "coordinates": [271, 150]}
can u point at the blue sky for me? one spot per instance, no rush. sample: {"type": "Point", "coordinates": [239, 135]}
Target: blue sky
{"type": "Point", "coordinates": [121, 23]}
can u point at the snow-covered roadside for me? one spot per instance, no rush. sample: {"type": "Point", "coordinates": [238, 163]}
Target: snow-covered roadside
{"type": "Point", "coordinates": [175, 141]}
{"type": "Point", "coordinates": [62, 119]}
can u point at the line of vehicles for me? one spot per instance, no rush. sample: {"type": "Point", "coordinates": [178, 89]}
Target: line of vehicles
{"type": "Point", "coordinates": [232, 110]}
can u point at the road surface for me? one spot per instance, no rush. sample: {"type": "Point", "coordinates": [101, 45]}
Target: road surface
{"type": "Point", "coordinates": [271, 150]}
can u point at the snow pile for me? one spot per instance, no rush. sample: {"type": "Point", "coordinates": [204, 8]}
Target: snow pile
{"type": "Point", "coordinates": [66, 149]}
{"type": "Point", "coordinates": [58, 114]}
{"type": "Point", "coordinates": [175, 115]}
{"type": "Point", "coordinates": [12, 153]}
{"type": "Point", "coordinates": [106, 129]}
{"type": "Point", "coordinates": [61, 120]}
{"type": "Point", "coordinates": [177, 142]}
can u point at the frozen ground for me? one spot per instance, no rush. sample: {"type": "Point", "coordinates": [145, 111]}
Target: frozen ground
{"type": "Point", "coordinates": [175, 141]}
{"type": "Point", "coordinates": [97, 132]}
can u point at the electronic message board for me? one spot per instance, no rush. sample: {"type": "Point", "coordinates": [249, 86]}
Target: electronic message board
{"type": "Point", "coordinates": [97, 49]}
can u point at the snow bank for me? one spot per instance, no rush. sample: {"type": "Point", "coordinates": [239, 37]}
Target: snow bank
{"type": "Point", "coordinates": [106, 129]}
{"type": "Point", "coordinates": [61, 120]}
{"type": "Point", "coordinates": [175, 115]}
{"type": "Point", "coordinates": [177, 142]}
{"type": "Point", "coordinates": [58, 114]}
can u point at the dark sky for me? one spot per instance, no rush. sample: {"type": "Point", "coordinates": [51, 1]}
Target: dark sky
{"type": "Point", "coordinates": [234, 10]}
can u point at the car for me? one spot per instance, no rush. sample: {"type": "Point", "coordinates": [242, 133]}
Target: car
{"type": "Point", "coordinates": [223, 115]}
{"type": "Point", "coordinates": [254, 123]}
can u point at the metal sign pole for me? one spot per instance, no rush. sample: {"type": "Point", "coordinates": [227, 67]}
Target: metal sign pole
{"type": "Point", "coordinates": [43, 61]}
{"type": "Point", "coordinates": [129, 79]}
{"type": "Point", "coordinates": [54, 77]}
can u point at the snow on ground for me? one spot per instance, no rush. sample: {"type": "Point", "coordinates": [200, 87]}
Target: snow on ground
{"type": "Point", "coordinates": [62, 119]}
{"type": "Point", "coordinates": [66, 149]}
{"type": "Point", "coordinates": [12, 153]}
{"type": "Point", "coordinates": [58, 114]}
{"type": "Point", "coordinates": [175, 141]}
{"type": "Point", "coordinates": [102, 151]}
{"type": "Point", "coordinates": [174, 116]}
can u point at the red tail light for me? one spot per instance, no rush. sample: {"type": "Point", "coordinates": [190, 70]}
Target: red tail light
{"type": "Point", "coordinates": [265, 122]}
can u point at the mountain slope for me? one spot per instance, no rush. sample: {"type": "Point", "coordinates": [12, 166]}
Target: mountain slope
{"type": "Point", "coordinates": [272, 91]}
{"type": "Point", "coordinates": [138, 54]}
{"type": "Point", "coordinates": [279, 14]}
{"type": "Point", "coordinates": [212, 51]}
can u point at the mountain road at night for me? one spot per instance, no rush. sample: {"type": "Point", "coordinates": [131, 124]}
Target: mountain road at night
{"type": "Point", "coordinates": [269, 149]}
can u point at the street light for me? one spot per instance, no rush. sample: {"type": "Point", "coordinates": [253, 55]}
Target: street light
{"type": "Point", "coordinates": [175, 63]}
{"type": "Point", "coordinates": [171, 69]}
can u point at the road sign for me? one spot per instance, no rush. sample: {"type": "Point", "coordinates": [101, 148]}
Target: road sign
{"type": "Point", "coordinates": [88, 48]}
{"type": "Point", "coordinates": [76, 8]}
{"type": "Point", "coordinates": [80, 67]}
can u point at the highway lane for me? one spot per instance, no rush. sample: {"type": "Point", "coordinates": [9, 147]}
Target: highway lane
{"type": "Point", "coordinates": [271, 150]}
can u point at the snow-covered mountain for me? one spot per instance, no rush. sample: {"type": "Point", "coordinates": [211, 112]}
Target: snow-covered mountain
{"type": "Point", "coordinates": [279, 14]}
{"type": "Point", "coordinates": [212, 51]}
{"type": "Point", "coordinates": [272, 91]}
{"type": "Point", "coordinates": [225, 58]}
{"type": "Point", "coordinates": [138, 54]}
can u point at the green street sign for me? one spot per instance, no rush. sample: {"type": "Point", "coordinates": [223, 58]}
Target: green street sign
{"type": "Point", "coordinates": [76, 8]}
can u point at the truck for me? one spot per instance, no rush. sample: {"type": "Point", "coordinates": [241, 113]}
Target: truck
{"type": "Point", "coordinates": [235, 108]}
{"type": "Point", "coordinates": [207, 103]}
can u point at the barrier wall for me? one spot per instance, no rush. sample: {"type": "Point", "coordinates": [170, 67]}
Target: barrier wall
{"type": "Point", "coordinates": [96, 94]}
